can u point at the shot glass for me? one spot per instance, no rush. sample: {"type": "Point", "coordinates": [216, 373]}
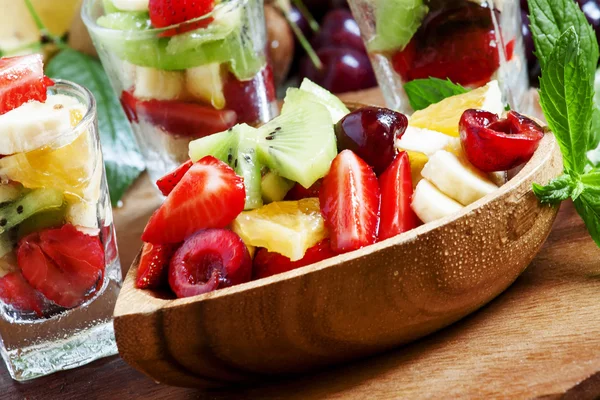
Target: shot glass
{"type": "Point", "coordinates": [60, 272]}
{"type": "Point", "coordinates": [469, 42]}
{"type": "Point", "coordinates": [185, 81]}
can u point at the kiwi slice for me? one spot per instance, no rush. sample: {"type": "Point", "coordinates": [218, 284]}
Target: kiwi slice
{"type": "Point", "coordinates": [313, 92]}
{"type": "Point", "coordinates": [237, 147]}
{"type": "Point", "coordinates": [396, 22]}
{"type": "Point", "coordinates": [52, 218]}
{"type": "Point", "coordinates": [300, 144]}
{"type": "Point", "coordinates": [10, 192]}
{"type": "Point", "coordinates": [38, 200]}
{"type": "Point", "coordinates": [6, 245]}
{"type": "Point", "coordinates": [109, 7]}
{"type": "Point", "coordinates": [274, 187]}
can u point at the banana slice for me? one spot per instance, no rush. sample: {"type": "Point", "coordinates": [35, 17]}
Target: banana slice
{"type": "Point", "coordinates": [82, 214]}
{"type": "Point", "coordinates": [205, 84]}
{"type": "Point", "coordinates": [131, 5]}
{"type": "Point", "coordinates": [33, 125]}
{"type": "Point", "coordinates": [430, 204]}
{"type": "Point", "coordinates": [427, 141]}
{"type": "Point", "coordinates": [151, 83]}
{"type": "Point", "coordinates": [458, 180]}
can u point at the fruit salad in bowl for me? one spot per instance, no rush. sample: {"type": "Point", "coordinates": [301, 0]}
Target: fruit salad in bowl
{"type": "Point", "coordinates": [59, 268]}
{"type": "Point", "coordinates": [183, 70]}
{"type": "Point", "coordinates": [320, 180]}
{"type": "Point", "coordinates": [468, 42]}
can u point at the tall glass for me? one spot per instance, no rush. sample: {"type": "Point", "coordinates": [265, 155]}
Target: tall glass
{"type": "Point", "coordinates": [185, 81]}
{"type": "Point", "coordinates": [469, 42]}
{"type": "Point", "coordinates": [59, 269]}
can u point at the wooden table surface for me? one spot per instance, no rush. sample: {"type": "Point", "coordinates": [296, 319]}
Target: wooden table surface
{"type": "Point", "coordinates": [540, 339]}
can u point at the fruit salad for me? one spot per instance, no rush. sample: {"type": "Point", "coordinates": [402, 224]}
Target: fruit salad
{"type": "Point", "coordinates": [319, 180]}
{"type": "Point", "coordinates": [183, 70]}
{"type": "Point", "coordinates": [57, 248]}
{"type": "Point", "coordinates": [468, 42]}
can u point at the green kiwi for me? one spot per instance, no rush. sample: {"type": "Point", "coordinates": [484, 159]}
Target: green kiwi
{"type": "Point", "coordinates": [109, 7]}
{"type": "Point", "coordinates": [300, 144]}
{"type": "Point", "coordinates": [274, 187]}
{"type": "Point", "coordinates": [38, 200]}
{"type": "Point", "coordinates": [313, 92]}
{"type": "Point", "coordinates": [52, 218]}
{"type": "Point", "coordinates": [6, 245]}
{"type": "Point", "coordinates": [237, 147]}
{"type": "Point", "coordinates": [10, 192]}
{"type": "Point", "coordinates": [396, 22]}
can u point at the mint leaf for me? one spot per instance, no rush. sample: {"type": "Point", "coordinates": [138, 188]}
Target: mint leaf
{"type": "Point", "coordinates": [396, 21]}
{"type": "Point", "coordinates": [121, 156]}
{"type": "Point", "coordinates": [588, 207]}
{"type": "Point", "coordinates": [424, 92]}
{"type": "Point", "coordinates": [566, 96]}
{"type": "Point", "coordinates": [557, 190]}
{"type": "Point", "coordinates": [550, 18]}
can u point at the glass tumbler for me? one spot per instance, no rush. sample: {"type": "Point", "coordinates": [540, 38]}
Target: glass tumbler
{"type": "Point", "coordinates": [185, 81]}
{"type": "Point", "coordinates": [59, 269]}
{"type": "Point", "coordinates": [470, 42]}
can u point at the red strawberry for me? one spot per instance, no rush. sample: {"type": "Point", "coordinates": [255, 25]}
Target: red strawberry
{"type": "Point", "coordinates": [15, 291]}
{"type": "Point", "coordinates": [396, 195]}
{"type": "Point", "coordinates": [210, 195]}
{"type": "Point", "coordinates": [167, 183]}
{"type": "Point", "coordinates": [184, 119]}
{"type": "Point", "coordinates": [165, 13]}
{"type": "Point", "coordinates": [268, 264]}
{"type": "Point", "coordinates": [209, 260]}
{"type": "Point", "coordinates": [350, 203]}
{"type": "Point", "coordinates": [153, 270]}
{"type": "Point", "coordinates": [250, 99]}
{"type": "Point", "coordinates": [299, 192]}
{"type": "Point", "coordinates": [21, 80]}
{"type": "Point", "coordinates": [129, 104]}
{"type": "Point", "coordinates": [64, 264]}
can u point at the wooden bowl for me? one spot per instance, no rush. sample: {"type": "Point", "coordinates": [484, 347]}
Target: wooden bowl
{"type": "Point", "coordinates": [347, 307]}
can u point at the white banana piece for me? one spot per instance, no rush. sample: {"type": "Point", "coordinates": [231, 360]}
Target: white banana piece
{"type": "Point", "coordinates": [430, 204]}
{"type": "Point", "coordinates": [131, 5]}
{"type": "Point", "coordinates": [205, 84]}
{"type": "Point", "coordinates": [457, 179]}
{"type": "Point", "coordinates": [427, 141]}
{"type": "Point", "coordinates": [151, 83]}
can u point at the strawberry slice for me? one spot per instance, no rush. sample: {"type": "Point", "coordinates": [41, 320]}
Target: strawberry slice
{"type": "Point", "coordinates": [15, 291]}
{"type": "Point", "coordinates": [267, 263]}
{"type": "Point", "coordinates": [211, 259]}
{"type": "Point", "coordinates": [153, 270]}
{"type": "Point", "coordinates": [349, 201]}
{"type": "Point", "coordinates": [299, 192]}
{"type": "Point", "coordinates": [129, 104]}
{"type": "Point", "coordinates": [396, 186]}
{"type": "Point", "coordinates": [210, 195]}
{"type": "Point", "coordinates": [167, 183]}
{"type": "Point", "coordinates": [165, 13]}
{"type": "Point", "coordinates": [65, 265]}
{"type": "Point", "coordinates": [21, 80]}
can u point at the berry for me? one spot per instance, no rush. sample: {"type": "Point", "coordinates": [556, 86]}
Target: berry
{"type": "Point", "coordinates": [494, 144]}
{"type": "Point", "coordinates": [167, 183]}
{"type": "Point", "coordinates": [21, 80]}
{"type": "Point", "coordinates": [370, 132]}
{"type": "Point", "coordinates": [211, 259]}
{"type": "Point", "coordinates": [299, 192]}
{"type": "Point", "coordinates": [339, 29]}
{"type": "Point", "coordinates": [396, 187]}
{"type": "Point", "coordinates": [210, 195]}
{"type": "Point", "coordinates": [349, 201]}
{"type": "Point", "coordinates": [250, 99]}
{"type": "Point", "coordinates": [165, 13]}
{"type": "Point", "coordinates": [268, 263]}
{"type": "Point", "coordinates": [129, 104]}
{"type": "Point", "coordinates": [15, 291]}
{"type": "Point", "coordinates": [65, 265]}
{"type": "Point", "coordinates": [153, 268]}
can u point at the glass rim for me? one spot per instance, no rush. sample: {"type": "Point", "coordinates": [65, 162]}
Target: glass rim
{"type": "Point", "coordinates": [91, 23]}
{"type": "Point", "coordinates": [90, 113]}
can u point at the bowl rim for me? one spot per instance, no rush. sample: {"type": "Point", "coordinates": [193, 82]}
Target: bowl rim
{"type": "Point", "coordinates": [545, 151]}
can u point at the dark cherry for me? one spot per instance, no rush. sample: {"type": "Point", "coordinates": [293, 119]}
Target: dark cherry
{"type": "Point", "coordinates": [344, 70]}
{"type": "Point", "coordinates": [494, 144]}
{"type": "Point", "coordinates": [591, 9]}
{"type": "Point", "coordinates": [339, 29]}
{"type": "Point", "coordinates": [211, 259]}
{"type": "Point", "coordinates": [370, 132]}
{"type": "Point", "coordinates": [251, 98]}
{"type": "Point", "coordinates": [527, 38]}
{"type": "Point", "coordinates": [297, 17]}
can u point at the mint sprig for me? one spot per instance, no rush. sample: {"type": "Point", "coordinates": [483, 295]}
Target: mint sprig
{"type": "Point", "coordinates": [422, 93]}
{"type": "Point", "coordinates": [567, 49]}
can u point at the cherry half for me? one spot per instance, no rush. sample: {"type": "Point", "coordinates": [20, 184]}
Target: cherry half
{"type": "Point", "coordinates": [211, 259]}
{"type": "Point", "coordinates": [370, 132]}
{"type": "Point", "coordinates": [493, 144]}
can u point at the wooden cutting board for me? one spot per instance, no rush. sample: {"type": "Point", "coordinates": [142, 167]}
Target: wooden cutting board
{"type": "Point", "coordinates": [540, 339]}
